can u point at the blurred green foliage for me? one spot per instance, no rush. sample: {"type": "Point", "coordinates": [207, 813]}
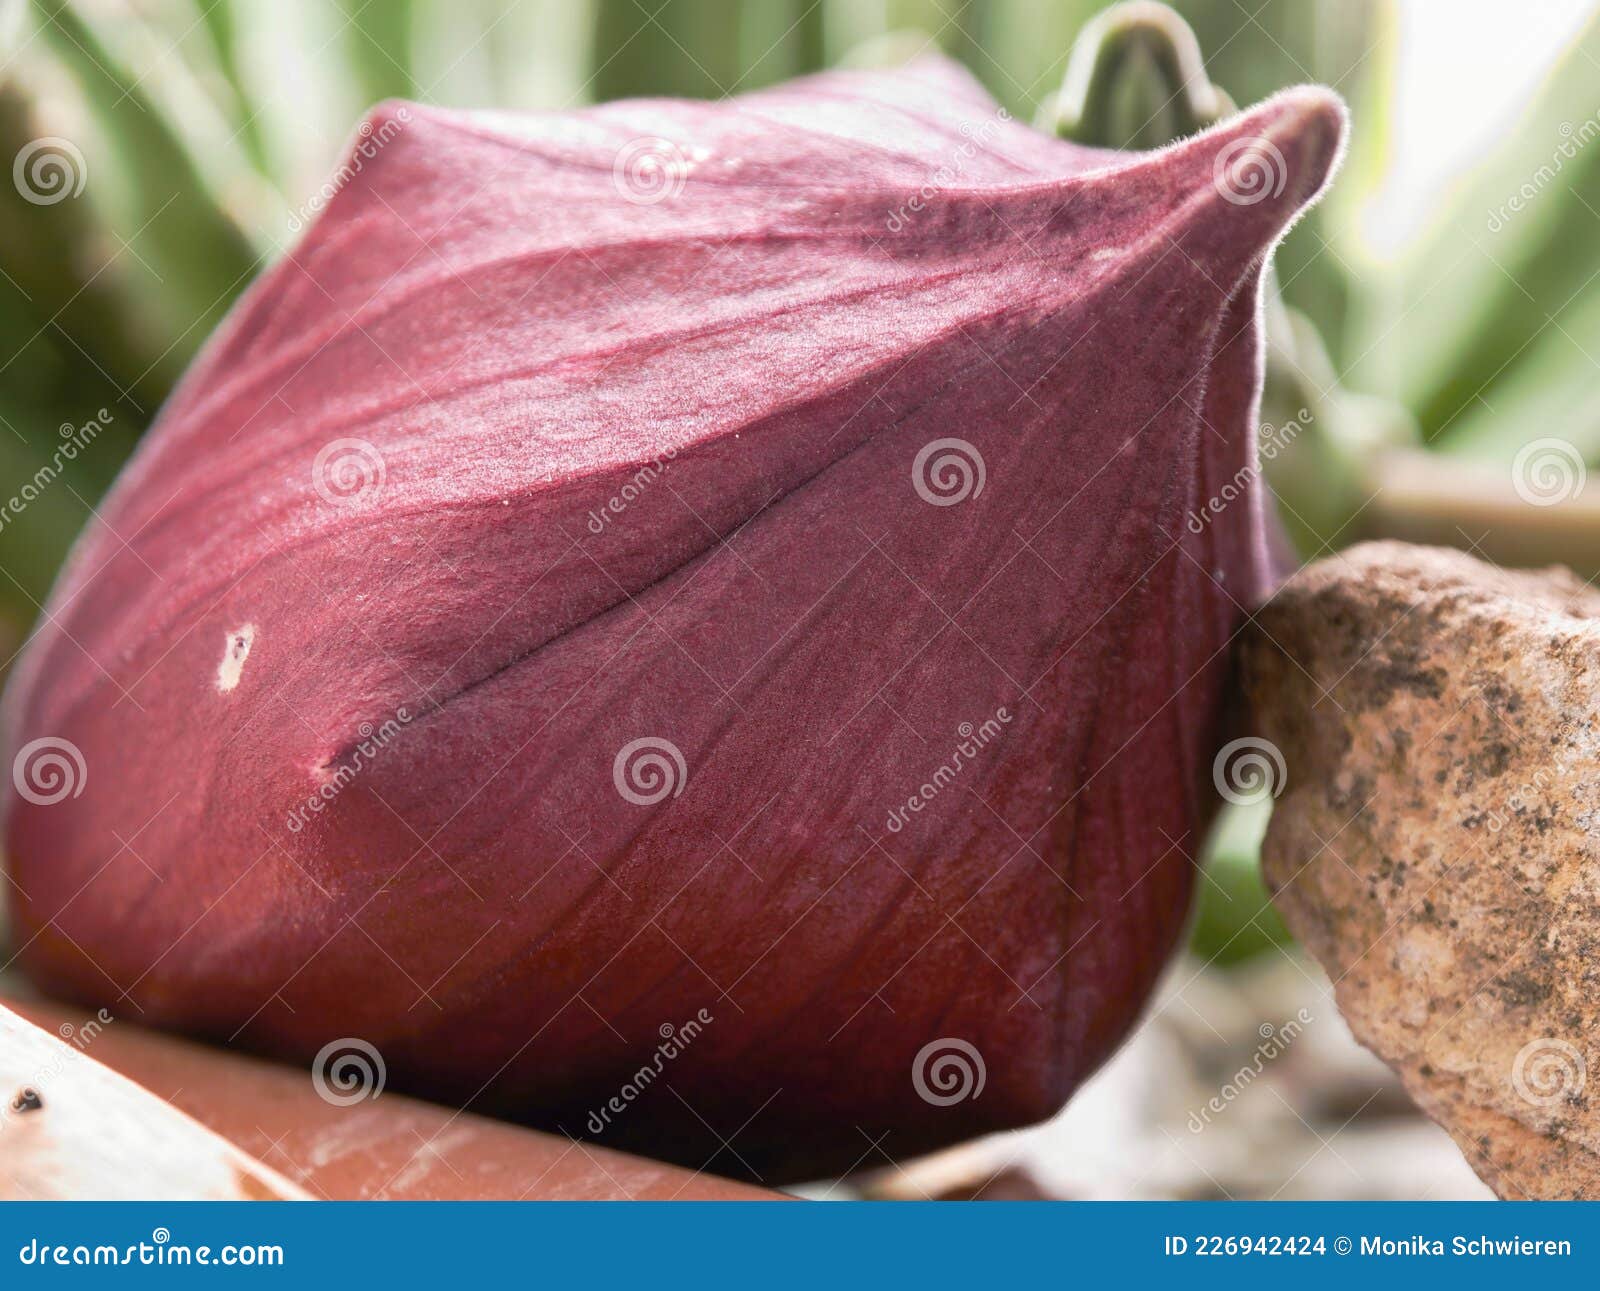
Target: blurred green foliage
{"type": "Point", "coordinates": [1493, 327]}
{"type": "Point", "coordinates": [1234, 918]}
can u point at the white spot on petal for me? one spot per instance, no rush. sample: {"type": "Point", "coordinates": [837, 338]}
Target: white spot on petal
{"type": "Point", "coordinates": [235, 651]}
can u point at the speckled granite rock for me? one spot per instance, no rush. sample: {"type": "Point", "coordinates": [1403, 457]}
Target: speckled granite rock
{"type": "Point", "coordinates": [1436, 843]}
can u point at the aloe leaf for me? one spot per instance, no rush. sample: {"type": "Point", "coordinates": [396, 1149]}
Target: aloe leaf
{"type": "Point", "coordinates": [60, 283]}
{"type": "Point", "coordinates": [847, 25]}
{"type": "Point", "coordinates": [55, 463]}
{"type": "Point", "coordinates": [1488, 329]}
{"type": "Point", "coordinates": [304, 122]}
{"type": "Point", "coordinates": [899, 31]}
{"type": "Point", "coordinates": [778, 40]}
{"type": "Point", "coordinates": [1547, 390]}
{"type": "Point", "coordinates": [1026, 46]}
{"type": "Point", "coordinates": [222, 29]}
{"type": "Point", "coordinates": [378, 43]}
{"type": "Point", "coordinates": [1234, 917]}
{"type": "Point", "coordinates": [1257, 48]}
{"type": "Point", "coordinates": [679, 48]}
{"type": "Point", "coordinates": [189, 253]}
{"type": "Point", "coordinates": [537, 53]}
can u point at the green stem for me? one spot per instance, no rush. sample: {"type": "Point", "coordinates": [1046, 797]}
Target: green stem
{"type": "Point", "coordinates": [1136, 80]}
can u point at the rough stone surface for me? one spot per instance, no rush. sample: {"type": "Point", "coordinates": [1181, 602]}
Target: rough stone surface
{"type": "Point", "coordinates": [1435, 842]}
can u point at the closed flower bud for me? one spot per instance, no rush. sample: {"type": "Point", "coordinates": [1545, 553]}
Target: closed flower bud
{"type": "Point", "coordinates": [524, 623]}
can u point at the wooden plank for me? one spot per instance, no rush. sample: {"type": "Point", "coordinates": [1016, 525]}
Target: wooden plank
{"type": "Point", "coordinates": [387, 1147]}
{"type": "Point", "coordinates": [71, 1128]}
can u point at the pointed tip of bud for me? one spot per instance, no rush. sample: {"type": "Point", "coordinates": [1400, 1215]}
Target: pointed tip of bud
{"type": "Point", "coordinates": [1309, 123]}
{"type": "Point", "coordinates": [1279, 154]}
{"type": "Point", "coordinates": [1250, 177]}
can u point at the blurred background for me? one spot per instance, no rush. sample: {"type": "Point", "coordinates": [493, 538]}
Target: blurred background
{"type": "Point", "coordinates": [1434, 341]}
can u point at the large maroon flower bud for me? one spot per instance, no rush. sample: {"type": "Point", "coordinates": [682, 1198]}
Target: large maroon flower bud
{"type": "Point", "coordinates": [684, 622]}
